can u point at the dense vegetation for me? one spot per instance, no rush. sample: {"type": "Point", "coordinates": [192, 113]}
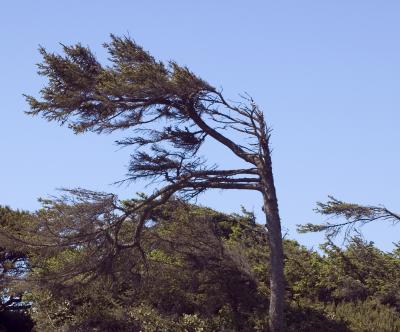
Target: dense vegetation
{"type": "Point", "coordinates": [200, 270]}
{"type": "Point", "coordinates": [87, 261]}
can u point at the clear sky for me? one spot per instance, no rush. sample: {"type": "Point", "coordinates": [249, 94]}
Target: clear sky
{"type": "Point", "coordinates": [326, 73]}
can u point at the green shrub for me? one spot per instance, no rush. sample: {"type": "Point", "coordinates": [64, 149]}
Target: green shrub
{"type": "Point", "coordinates": [367, 316]}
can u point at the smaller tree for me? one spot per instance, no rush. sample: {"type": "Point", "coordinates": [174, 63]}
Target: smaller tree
{"type": "Point", "coordinates": [355, 216]}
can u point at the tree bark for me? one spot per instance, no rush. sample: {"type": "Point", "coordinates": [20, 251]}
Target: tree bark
{"type": "Point", "coordinates": [273, 225]}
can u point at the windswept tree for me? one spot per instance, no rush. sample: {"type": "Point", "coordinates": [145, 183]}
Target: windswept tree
{"type": "Point", "coordinates": [352, 216]}
{"type": "Point", "coordinates": [169, 113]}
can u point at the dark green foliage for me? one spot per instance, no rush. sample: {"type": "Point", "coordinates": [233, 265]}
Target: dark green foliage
{"type": "Point", "coordinates": [202, 271]}
{"type": "Point", "coordinates": [366, 316]}
{"type": "Point", "coordinates": [309, 318]}
{"type": "Point", "coordinates": [105, 98]}
{"type": "Point", "coordinates": [13, 258]}
{"type": "Point", "coordinates": [13, 267]}
{"type": "Point", "coordinates": [189, 272]}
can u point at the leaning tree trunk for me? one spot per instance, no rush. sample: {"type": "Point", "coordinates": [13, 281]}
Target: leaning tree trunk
{"type": "Point", "coordinates": [273, 224]}
{"type": "Point", "coordinates": [276, 277]}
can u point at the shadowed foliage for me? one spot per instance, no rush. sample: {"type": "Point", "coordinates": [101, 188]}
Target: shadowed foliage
{"type": "Point", "coordinates": [201, 270]}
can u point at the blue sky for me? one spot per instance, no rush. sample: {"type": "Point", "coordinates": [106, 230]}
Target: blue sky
{"type": "Point", "coordinates": [326, 74]}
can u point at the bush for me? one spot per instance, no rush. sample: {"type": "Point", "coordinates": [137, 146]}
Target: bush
{"type": "Point", "coordinates": [367, 316]}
